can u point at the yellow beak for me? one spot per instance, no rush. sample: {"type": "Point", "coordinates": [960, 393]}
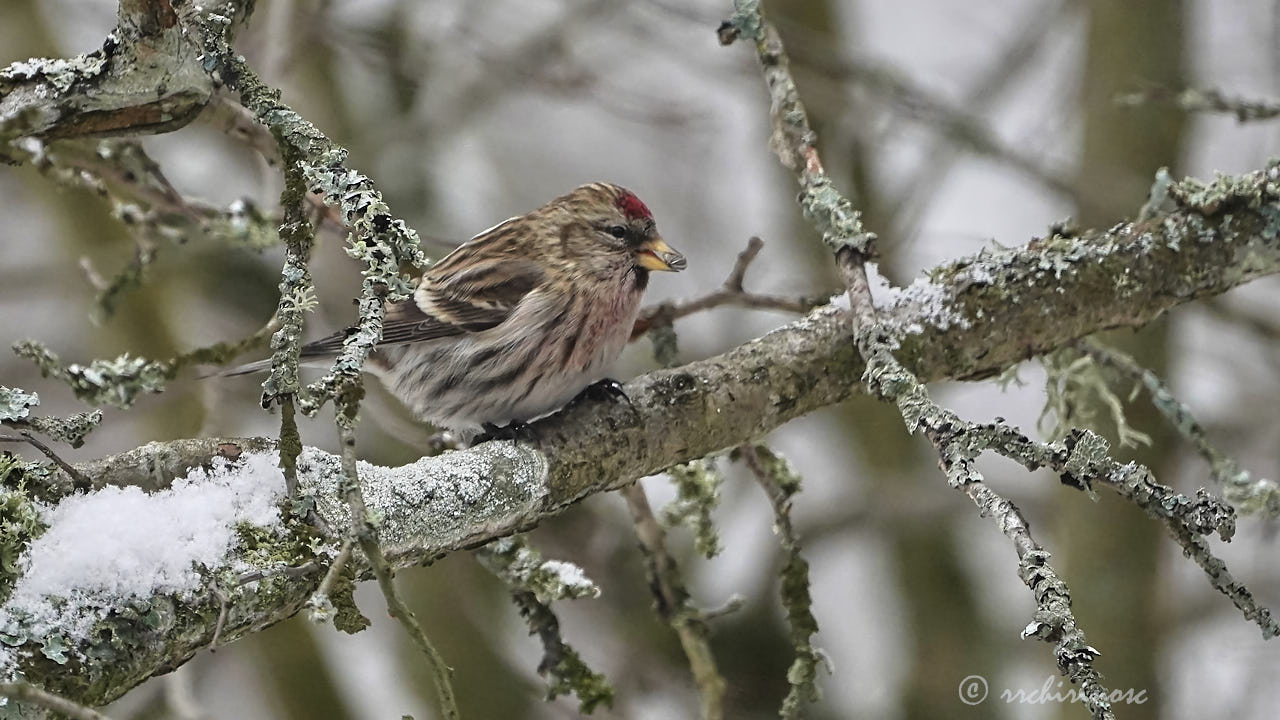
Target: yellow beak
{"type": "Point", "coordinates": [657, 255]}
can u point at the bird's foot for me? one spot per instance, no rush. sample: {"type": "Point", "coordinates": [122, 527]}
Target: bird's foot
{"type": "Point", "coordinates": [606, 389]}
{"type": "Point", "coordinates": [515, 430]}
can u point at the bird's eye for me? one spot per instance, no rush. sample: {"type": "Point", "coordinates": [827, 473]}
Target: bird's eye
{"type": "Point", "coordinates": [617, 231]}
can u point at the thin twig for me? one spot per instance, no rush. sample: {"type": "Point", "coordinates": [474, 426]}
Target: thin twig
{"type": "Point", "coordinates": [672, 603]}
{"type": "Point", "coordinates": [1209, 100]}
{"type": "Point", "coordinates": [534, 584]}
{"type": "Point", "coordinates": [224, 602]}
{"type": "Point", "coordinates": [305, 568]}
{"type": "Point", "coordinates": [78, 479]}
{"type": "Point", "coordinates": [730, 293]}
{"type": "Point", "coordinates": [364, 533]}
{"type": "Point", "coordinates": [321, 596]}
{"type": "Point", "coordinates": [24, 692]}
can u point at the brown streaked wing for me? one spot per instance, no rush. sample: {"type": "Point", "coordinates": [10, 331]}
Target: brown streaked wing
{"type": "Point", "coordinates": [475, 300]}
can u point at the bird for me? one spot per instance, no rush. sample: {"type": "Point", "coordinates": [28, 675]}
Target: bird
{"type": "Point", "coordinates": [522, 318]}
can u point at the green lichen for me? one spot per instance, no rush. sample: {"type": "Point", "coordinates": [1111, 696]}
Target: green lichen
{"type": "Point", "coordinates": [781, 482]}
{"type": "Point", "coordinates": [697, 495]}
{"type": "Point", "coordinates": [564, 668]}
{"type": "Point", "coordinates": [272, 548]}
{"type": "Point", "coordinates": [346, 614]}
{"type": "Point", "coordinates": [20, 521]}
{"type": "Point", "coordinates": [835, 217]}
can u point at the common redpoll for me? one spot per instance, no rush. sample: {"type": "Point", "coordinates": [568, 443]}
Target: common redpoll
{"type": "Point", "coordinates": [517, 321]}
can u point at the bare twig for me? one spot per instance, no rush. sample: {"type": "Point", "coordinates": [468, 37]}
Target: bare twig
{"type": "Point", "coordinates": [1210, 100]}
{"type": "Point", "coordinates": [78, 479]}
{"type": "Point", "coordinates": [305, 568]}
{"type": "Point", "coordinates": [27, 693]}
{"type": "Point", "coordinates": [224, 602]}
{"type": "Point", "coordinates": [730, 293]}
{"type": "Point", "coordinates": [320, 604]}
{"type": "Point", "coordinates": [673, 606]}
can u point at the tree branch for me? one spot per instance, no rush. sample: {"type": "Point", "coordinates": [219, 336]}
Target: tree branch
{"type": "Point", "coordinates": [979, 315]}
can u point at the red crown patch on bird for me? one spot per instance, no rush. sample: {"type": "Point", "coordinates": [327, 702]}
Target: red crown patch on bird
{"type": "Point", "coordinates": [632, 208]}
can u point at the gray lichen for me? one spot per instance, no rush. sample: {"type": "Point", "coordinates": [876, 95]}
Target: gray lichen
{"type": "Point", "coordinates": [15, 404]}
{"type": "Point", "coordinates": [523, 567]}
{"type": "Point", "coordinates": [60, 73]}
{"type": "Point", "coordinates": [436, 502]}
{"type": "Point", "coordinates": [1074, 388]}
{"type": "Point", "coordinates": [117, 382]}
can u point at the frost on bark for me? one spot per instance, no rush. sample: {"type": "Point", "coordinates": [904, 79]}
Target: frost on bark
{"type": "Point", "coordinates": [261, 560]}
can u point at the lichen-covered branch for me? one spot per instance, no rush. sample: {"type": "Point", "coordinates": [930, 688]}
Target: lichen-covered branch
{"type": "Point", "coordinates": [957, 442]}
{"type": "Point", "coordinates": [21, 692]}
{"type": "Point", "coordinates": [697, 494]}
{"type": "Point", "coordinates": [467, 498]}
{"type": "Point", "coordinates": [971, 318]}
{"type": "Point", "coordinates": [366, 535]}
{"type": "Point", "coordinates": [780, 482]}
{"type": "Point", "coordinates": [148, 77]}
{"type": "Point", "coordinates": [535, 583]}
{"type": "Point", "coordinates": [142, 198]}
{"type": "Point", "coordinates": [673, 605]}
{"type": "Point", "coordinates": [378, 239]}
{"type": "Point", "coordinates": [1245, 492]}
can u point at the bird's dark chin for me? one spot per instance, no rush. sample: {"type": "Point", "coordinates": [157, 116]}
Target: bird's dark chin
{"type": "Point", "coordinates": [642, 277]}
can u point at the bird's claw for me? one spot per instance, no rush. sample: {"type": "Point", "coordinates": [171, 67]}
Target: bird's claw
{"type": "Point", "coordinates": [606, 389]}
{"type": "Point", "coordinates": [515, 430]}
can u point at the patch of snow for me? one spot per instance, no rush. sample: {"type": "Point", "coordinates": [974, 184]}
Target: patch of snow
{"type": "Point", "coordinates": [922, 303]}
{"type": "Point", "coordinates": [118, 544]}
{"type": "Point", "coordinates": [575, 582]}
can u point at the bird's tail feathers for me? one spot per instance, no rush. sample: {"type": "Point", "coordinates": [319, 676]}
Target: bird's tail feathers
{"type": "Point", "coordinates": [307, 360]}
